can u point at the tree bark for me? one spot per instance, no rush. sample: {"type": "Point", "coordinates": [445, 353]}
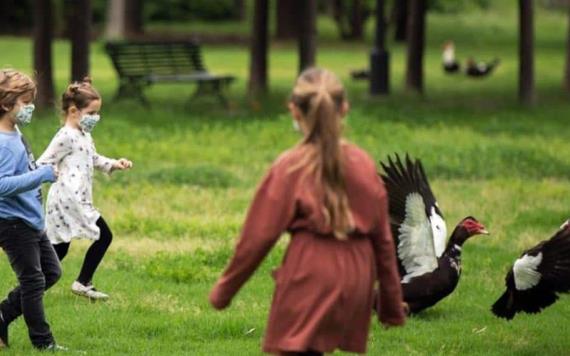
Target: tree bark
{"type": "Point", "coordinates": [308, 34]}
{"type": "Point", "coordinates": [80, 38]}
{"type": "Point", "coordinates": [259, 47]}
{"type": "Point", "coordinates": [133, 18]}
{"type": "Point", "coordinates": [240, 10]}
{"type": "Point", "coordinates": [115, 26]}
{"type": "Point", "coordinates": [350, 20]}
{"type": "Point", "coordinates": [416, 46]}
{"type": "Point", "coordinates": [43, 35]}
{"type": "Point", "coordinates": [567, 71]}
{"type": "Point", "coordinates": [357, 19]}
{"type": "Point", "coordinates": [287, 12]}
{"type": "Point", "coordinates": [526, 54]}
{"type": "Point", "coordinates": [400, 20]}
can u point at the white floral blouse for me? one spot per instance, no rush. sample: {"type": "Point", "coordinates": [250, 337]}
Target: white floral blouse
{"type": "Point", "coordinates": [69, 209]}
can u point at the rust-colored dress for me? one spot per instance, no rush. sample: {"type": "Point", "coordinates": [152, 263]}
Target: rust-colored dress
{"type": "Point", "coordinates": [324, 288]}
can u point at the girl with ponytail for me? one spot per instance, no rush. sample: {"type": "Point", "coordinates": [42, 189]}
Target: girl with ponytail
{"type": "Point", "coordinates": [325, 192]}
{"type": "Point", "coordinates": [70, 213]}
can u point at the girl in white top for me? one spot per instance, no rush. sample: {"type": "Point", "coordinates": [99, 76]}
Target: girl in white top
{"type": "Point", "coordinates": [70, 212]}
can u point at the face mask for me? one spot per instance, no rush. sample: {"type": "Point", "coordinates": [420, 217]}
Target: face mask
{"type": "Point", "coordinates": [88, 122]}
{"type": "Point", "coordinates": [24, 116]}
{"type": "Point", "coordinates": [296, 126]}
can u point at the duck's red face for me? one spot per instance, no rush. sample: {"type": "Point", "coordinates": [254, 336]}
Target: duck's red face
{"type": "Point", "coordinates": [474, 227]}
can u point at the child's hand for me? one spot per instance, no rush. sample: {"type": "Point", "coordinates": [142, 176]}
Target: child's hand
{"type": "Point", "coordinates": [123, 164]}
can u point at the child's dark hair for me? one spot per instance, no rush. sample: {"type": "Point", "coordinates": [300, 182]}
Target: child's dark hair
{"type": "Point", "coordinates": [13, 84]}
{"type": "Point", "coordinates": [79, 94]}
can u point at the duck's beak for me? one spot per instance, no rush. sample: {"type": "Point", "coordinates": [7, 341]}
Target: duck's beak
{"type": "Point", "coordinates": [484, 231]}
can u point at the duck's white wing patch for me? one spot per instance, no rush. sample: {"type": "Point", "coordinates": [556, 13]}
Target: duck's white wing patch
{"type": "Point", "coordinates": [415, 247]}
{"type": "Point", "coordinates": [439, 231]}
{"type": "Point", "coordinates": [525, 271]}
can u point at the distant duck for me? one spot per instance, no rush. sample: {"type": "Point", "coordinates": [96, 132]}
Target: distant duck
{"type": "Point", "coordinates": [480, 69]}
{"type": "Point", "coordinates": [450, 64]}
{"type": "Point", "coordinates": [360, 74]}
{"type": "Point", "coordinates": [429, 266]}
{"type": "Point", "coordinates": [536, 278]}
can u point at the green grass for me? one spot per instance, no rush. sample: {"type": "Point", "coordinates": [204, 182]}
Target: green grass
{"type": "Point", "coordinates": [176, 214]}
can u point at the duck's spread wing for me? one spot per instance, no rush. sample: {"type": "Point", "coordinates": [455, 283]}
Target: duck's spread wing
{"type": "Point", "coordinates": [411, 203]}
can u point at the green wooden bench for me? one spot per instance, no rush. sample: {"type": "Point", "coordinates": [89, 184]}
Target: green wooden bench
{"type": "Point", "coordinates": [141, 64]}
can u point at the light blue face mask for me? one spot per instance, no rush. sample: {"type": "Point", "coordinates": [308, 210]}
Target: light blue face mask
{"type": "Point", "coordinates": [296, 126]}
{"type": "Point", "coordinates": [88, 122]}
{"type": "Point", "coordinates": [24, 116]}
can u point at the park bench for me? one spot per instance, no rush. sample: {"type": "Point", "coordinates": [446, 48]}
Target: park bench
{"type": "Point", "coordinates": [140, 64]}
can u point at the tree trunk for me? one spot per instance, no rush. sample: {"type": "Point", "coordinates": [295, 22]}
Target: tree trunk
{"type": "Point", "coordinates": [567, 72]}
{"type": "Point", "coordinates": [259, 47]}
{"type": "Point", "coordinates": [133, 18]}
{"type": "Point", "coordinates": [240, 12]}
{"type": "Point", "coordinates": [526, 55]}
{"type": "Point", "coordinates": [350, 20]}
{"type": "Point", "coordinates": [358, 18]}
{"type": "Point", "coordinates": [416, 45]}
{"type": "Point", "coordinates": [287, 12]}
{"type": "Point", "coordinates": [308, 34]}
{"type": "Point", "coordinates": [400, 20]}
{"type": "Point", "coordinates": [115, 26]}
{"type": "Point", "coordinates": [5, 7]}
{"type": "Point", "coordinates": [43, 35]}
{"type": "Point", "coordinates": [80, 38]}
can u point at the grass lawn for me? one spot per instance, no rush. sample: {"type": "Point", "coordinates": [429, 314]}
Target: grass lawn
{"type": "Point", "coordinates": [175, 216]}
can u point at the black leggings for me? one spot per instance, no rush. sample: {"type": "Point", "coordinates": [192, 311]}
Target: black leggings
{"type": "Point", "coordinates": [94, 254]}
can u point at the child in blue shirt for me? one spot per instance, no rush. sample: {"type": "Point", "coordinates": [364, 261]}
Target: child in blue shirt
{"type": "Point", "coordinates": [22, 231]}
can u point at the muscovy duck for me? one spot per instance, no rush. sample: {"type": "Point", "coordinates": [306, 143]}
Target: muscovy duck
{"type": "Point", "coordinates": [429, 267]}
{"type": "Point", "coordinates": [480, 69]}
{"type": "Point", "coordinates": [360, 74]}
{"type": "Point", "coordinates": [450, 64]}
{"type": "Point", "coordinates": [536, 278]}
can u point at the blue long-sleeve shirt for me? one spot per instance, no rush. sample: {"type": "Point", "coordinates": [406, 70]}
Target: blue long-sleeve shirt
{"type": "Point", "coordinates": [20, 196]}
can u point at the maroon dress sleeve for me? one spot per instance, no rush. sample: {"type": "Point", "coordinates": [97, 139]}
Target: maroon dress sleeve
{"type": "Point", "coordinates": [390, 306]}
{"type": "Point", "coordinates": [269, 216]}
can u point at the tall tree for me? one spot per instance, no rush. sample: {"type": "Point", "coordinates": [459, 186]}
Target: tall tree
{"type": "Point", "coordinates": [240, 13]}
{"type": "Point", "coordinates": [133, 18]}
{"type": "Point", "coordinates": [307, 34]}
{"type": "Point", "coordinates": [350, 17]}
{"type": "Point", "coordinates": [287, 12]}
{"type": "Point", "coordinates": [259, 47]}
{"type": "Point", "coordinates": [567, 71]}
{"type": "Point", "coordinates": [80, 38]}
{"type": "Point", "coordinates": [115, 19]}
{"type": "Point", "coordinates": [43, 35]}
{"type": "Point", "coordinates": [416, 45]}
{"type": "Point", "coordinates": [526, 52]}
{"type": "Point", "coordinates": [400, 20]}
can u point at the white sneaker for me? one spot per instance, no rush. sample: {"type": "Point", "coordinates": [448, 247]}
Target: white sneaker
{"type": "Point", "coordinates": [88, 291]}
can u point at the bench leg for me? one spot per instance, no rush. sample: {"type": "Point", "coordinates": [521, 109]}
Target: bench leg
{"type": "Point", "coordinates": [213, 88]}
{"type": "Point", "coordinates": [131, 89]}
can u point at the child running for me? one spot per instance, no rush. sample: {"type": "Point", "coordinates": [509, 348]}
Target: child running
{"type": "Point", "coordinates": [70, 210]}
{"type": "Point", "coordinates": [22, 233]}
{"type": "Point", "coordinates": [326, 193]}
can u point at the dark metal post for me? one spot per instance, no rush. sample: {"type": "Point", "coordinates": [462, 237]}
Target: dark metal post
{"type": "Point", "coordinates": [379, 57]}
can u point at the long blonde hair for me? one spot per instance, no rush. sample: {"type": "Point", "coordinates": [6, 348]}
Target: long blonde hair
{"type": "Point", "coordinates": [320, 96]}
{"type": "Point", "coordinates": [14, 84]}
